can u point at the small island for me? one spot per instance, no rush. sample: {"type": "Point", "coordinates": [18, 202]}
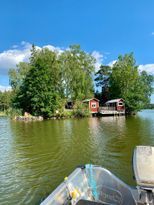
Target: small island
{"type": "Point", "coordinates": [59, 85]}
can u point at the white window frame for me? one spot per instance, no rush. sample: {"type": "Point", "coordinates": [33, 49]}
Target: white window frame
{"type": "Point", "coordinates": [120, 104]}
{"type": "Point", "coordinates": [93, 105]}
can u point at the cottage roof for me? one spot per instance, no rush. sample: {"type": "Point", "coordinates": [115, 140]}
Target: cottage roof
{"type": "Point", "coordinates": [114, 101]}
{"type": "Point", "coordinates": [87, 100]}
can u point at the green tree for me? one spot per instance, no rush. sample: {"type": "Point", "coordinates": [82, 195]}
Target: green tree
{"type": "Point", "coordinates": [146, 84]}
{"type": "Point", "coordinates": [39, 93]}
{"type": "Point", "coordinates": [17, 76]}
{"type": "Point", "coordinates": [77, 67]}
{"type": "Point", "coordinates": [5, 100]}
{"type": "Point", "coordinates": [126, 82]}
{"type": "Point", "coordinates": [16, 79]}
{"type": "Point", "coordinates": [41, 86]}
{"type": "Point", "coordinates": [102, 80]}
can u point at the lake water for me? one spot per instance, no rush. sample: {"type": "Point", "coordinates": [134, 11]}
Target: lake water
{"type": "Point", "coordinates": [36, 156]}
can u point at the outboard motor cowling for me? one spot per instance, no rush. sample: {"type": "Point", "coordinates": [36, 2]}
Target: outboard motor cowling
{"type": "Point", "coordinates": [143, 165]}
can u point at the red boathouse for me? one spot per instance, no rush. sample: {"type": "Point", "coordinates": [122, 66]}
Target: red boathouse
{"type": "Point", "coordinates": [113, 107]}
{"type": "Point", "coordinates": [93, 105]}
{"type": "Point", "coordinates": [116, 104]}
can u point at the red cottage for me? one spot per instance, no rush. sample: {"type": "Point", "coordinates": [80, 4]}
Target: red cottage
{"type": "Point", "coordinates": [93, 104]}
{"type": "Point", "coordinates": [116, 104]}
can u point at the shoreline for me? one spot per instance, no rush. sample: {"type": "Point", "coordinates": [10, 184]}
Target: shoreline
{"type": "Point", "coordinates": [3, 114]}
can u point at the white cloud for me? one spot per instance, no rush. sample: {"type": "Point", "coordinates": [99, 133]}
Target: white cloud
{"type": "Point", "coordinates": [149, 68]}
{"type": "Point", "coordinates": [99, 59]}
{"type": "Point", "coordinates": [112, 63]}
{"type": "Point", "coordinates": [10, 58]}
{"type": "Point", "coordinates": [19, 53]}
{"type": "Point", "coordinates": [4, 88]}
{"type": "Point", "coordinates": [53, 48]}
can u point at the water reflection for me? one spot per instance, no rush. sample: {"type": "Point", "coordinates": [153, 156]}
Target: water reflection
{"type": "Point", "coordinates": [36, 156]}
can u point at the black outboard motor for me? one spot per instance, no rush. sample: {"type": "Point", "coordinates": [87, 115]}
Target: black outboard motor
{"type": "Point", "coordinates": [143, 165]}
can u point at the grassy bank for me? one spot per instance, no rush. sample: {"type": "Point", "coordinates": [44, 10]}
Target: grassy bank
{"type": "Point", "coordinates": [74, 113]}
{"type": "Point", "coordinates": [77, 112]}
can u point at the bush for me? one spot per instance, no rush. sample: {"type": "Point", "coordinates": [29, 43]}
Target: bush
{"type": "Point", "coordinates": [80, 110]}
{"type": "Point", "coordinates": [12, 112]}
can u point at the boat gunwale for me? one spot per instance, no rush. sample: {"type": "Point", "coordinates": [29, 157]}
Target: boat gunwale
{"type": "Point", "coordinates": [52, 196]}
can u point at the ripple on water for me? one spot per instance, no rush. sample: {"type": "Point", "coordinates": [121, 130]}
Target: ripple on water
{"type": "Point", "coordinates": [35, 157]}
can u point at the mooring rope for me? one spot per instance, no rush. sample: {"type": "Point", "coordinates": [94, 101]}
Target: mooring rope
{"type": "Point", "coordinates": [92, 181]}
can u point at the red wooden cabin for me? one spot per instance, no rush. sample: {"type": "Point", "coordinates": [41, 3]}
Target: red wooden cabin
{"type": "Point", "coordinates": [116, 104]}
{"type": "Point", "coordinates": [93, 104]}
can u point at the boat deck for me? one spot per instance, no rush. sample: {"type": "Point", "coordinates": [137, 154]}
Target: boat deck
{"type": "Point", "coordinates": [87, 202]}
{"type": "Point", "coordinates": [111, 112]}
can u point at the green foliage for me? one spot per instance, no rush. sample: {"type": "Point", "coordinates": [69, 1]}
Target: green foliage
{"type": "Point", "coordinates": [63, 113]}
{"type": "Point", "coordinates": [80, 110]}
{"type": "Point", "coordinates": [103, 76]}
{"type": "Point", "coordinates": [3, 114]}
{"type": "Point", "coordinates": [125, 81]}
{"type": "Point", "coordinates": [12, 112]}
{"type": "Point", "coordinates": [17, 76]}
{"type": "Point", "coordinates": [41, 86]}
{"type": "Point", "coordinates": [102, 79]}
{"type": "Point", "coordinates": [5, 100]}
{"type": "Point", "coordinates": [38, 94]}
{"type": "Point", "coordinates": [77, 68]}
{"type": "Point", "coordinates": [150, 106]}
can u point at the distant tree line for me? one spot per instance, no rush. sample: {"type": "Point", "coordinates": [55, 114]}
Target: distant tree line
{"type": "Point", "coordinates": [150, 106]}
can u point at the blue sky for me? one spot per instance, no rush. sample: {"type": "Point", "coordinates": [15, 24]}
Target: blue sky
{"type": "Point", "coordinates": [105, 27]}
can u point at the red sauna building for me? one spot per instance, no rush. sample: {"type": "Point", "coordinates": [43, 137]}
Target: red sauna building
{"type": "Point", "coordinates": [93, 105]}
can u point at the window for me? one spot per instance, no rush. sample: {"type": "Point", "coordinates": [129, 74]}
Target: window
{"type": "Point", "coordinates": [120, 104]}
{"type": "Point", "coordinates": [93, 105]}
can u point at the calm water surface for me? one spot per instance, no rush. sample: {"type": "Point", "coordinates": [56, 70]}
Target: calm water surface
{"type": "Point", "coordinates": [36, 156]}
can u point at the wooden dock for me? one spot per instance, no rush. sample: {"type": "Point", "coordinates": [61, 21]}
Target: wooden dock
{"type": "Point", "coordinates": [110, 111]}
